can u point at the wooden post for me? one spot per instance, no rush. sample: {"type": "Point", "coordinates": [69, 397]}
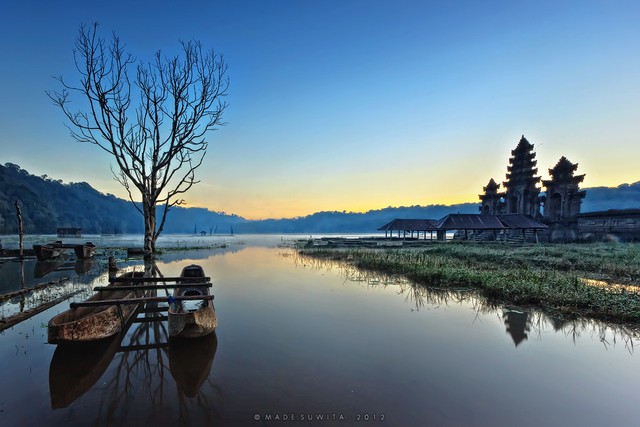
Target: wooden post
{"type": "Point", "coordinates": [20, 233]}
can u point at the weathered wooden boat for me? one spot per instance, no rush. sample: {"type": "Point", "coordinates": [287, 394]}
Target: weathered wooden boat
{"type": "Point", "coordinates": [190, 362]}
{"type": "Point", "coordinates": [135, 252]}
{"type": "Point", "coordinates": [192, 319]}
{"type": "Point", "coordinates": [86, 324]}
{"type": "Point", "coordinates": [48, 251]}
{"type": "Point", "coordinates": [85, 251]}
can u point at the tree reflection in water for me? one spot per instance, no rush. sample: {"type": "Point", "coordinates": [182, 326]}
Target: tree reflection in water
{"type": "Point", "coordinates": [520, 323]}
{"type": "Point", "coordinates": [132, 369]}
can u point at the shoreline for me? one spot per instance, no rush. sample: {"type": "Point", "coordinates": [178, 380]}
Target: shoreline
{"type": "Point", "coordinates": [556, 278]}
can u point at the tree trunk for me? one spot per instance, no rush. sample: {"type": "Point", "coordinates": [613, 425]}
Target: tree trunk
{"type": "Point", "coordinates": [149, 211]}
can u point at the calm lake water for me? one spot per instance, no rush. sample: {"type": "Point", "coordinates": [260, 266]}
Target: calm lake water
{"type": "Point", "coordinates": [300, 339]}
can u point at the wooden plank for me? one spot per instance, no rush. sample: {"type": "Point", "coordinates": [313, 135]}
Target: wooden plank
{"type": "Point", "coordinates": [155, 279]}
{"type": "Point", "coordinates": [150, 319]}
{"type": "Point", "coordinates": [151, 287]}
{"type": "Point", "coordinates": [138, 300]}
{"type": "Point", "coordinates": [139, 347]}
{"type": "Point", "coordinates": [155, 309]}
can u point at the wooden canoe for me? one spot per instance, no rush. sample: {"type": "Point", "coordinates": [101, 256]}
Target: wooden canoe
{"type": "Point", "coordinates": [47, 252]}
{"type": "Point", "coordinates": [135, 252]}
{"type": "Point", "coordinates": [85, 251]}
{"type": "Point", "coordinates": [191, 319]}
{"type": "Point", "coordinates": [86, 324]}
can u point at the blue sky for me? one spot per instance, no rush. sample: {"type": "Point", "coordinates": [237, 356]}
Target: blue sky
{"type": "Point", "coordinates": [352, 105]}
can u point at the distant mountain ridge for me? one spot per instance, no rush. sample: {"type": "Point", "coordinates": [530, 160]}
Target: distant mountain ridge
{"type": "Point", "coordinates": [48, 204]}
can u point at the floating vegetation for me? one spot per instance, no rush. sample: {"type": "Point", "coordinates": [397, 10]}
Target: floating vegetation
{"type": "Point", "coordinates": [550, 277]}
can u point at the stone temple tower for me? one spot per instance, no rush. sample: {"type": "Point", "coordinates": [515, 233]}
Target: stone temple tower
{"type": "Point", "coordinates": [522, 194]}
{"type": "Point", "coordinates": [490, 200]}
{"type": "Point", "coordinates": [563, 199]}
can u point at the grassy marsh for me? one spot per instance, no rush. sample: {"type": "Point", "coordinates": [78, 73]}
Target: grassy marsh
{"type": "Point", "coordinates": [547, 276]}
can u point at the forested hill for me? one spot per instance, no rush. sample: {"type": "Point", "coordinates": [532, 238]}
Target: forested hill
{"type": "Point", "coordinates": [48, 204]}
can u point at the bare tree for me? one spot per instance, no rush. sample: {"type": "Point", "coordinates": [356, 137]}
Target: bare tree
{"type": "Point", "coordinates": [154, 124]}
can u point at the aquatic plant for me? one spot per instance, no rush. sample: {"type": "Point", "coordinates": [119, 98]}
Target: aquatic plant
{"type": "Point", "coordinates": [545, 276]}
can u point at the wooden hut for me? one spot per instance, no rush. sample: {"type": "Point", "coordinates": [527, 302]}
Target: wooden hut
{"type": "Point", "coordinates": [69, 232]}
{"type": "Point", "coordinates": [469, 227]}
{"type": "Point", "coordinates": [409, 227]}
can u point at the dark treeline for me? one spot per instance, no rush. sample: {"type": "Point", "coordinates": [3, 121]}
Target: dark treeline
{"type": "Point", "coordinates": [48, 204]}
{"type": "Point", "coordinates": [351, 222]}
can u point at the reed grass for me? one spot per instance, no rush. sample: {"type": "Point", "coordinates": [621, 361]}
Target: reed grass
{"type": "Point", "coordinates": [543, 276]}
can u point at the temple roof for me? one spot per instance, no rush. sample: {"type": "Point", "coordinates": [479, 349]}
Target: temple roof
{"type": "Point", "coordinates": [492, 185]}
{"type": "Point", "coordinates": [469, 222]}
{"type": "Point", "coordinates": [521, 169]}
{"type": "Point", "coordinates": [563, 165]}
{"type": "Point", "coordinates": [523, 146]}
{"type": "Point", "coordinates": [562, 172]}
{"type": "Point", "coordinates": [487, 222]}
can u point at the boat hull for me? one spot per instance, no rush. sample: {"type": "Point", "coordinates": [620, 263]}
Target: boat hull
{"type": "Point", "coordinates": [85, 251]}
{"type": "Point", "coordinates": [185, 323]}
{"type": "Point", "coordinates": [46, 252]}
{"type": "Point", "coordinates": [88, 324]}
{"type": "Point", "coordinates": [135, 252]}
{"type": "Point", "coordinates": [192, 324]}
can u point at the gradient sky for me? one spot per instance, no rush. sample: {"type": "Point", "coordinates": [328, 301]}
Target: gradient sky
{"type": "Point", "coordinates": [352, 105]}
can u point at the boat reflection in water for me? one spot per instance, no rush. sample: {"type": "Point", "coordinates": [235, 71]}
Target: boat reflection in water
{"type": "Point", "coordinates": [42, 268]}
{"type": "Point", "coordinates": [190, 362]}
{"type": "Point", "coordinates": [76, 367]}
{"type": "Point", "coordinates": [80, 266]}
{"type": "Point", "coordinates": [83, 266]}
{"type": "Point", "coordinates": [143, 345]}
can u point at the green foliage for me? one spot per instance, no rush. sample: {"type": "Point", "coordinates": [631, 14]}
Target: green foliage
{"type": "Point", "coordinates": [47, 204]}
{"type": "Point", "coordinates": [547, 276]}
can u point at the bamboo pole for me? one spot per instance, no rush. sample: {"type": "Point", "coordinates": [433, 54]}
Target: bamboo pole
{"type": "Point", "coordinates": [159, 279]}
{"type": "Point", "coordinates": [20, 231]}
{"type": "Point", "coordinates": [152, 287]}
{"type": "Point", "coordinates": [126, 301]}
